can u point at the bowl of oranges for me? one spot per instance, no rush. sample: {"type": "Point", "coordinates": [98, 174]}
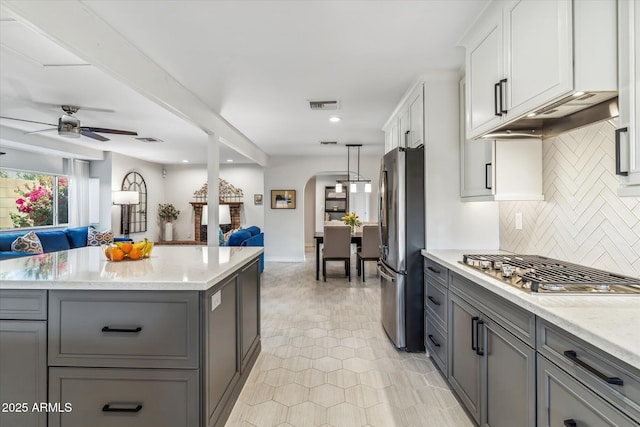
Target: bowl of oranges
{"type": "Point", "coordinates": [128, 251]}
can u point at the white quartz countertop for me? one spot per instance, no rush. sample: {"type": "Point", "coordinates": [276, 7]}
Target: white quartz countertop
{"type": "Point", "coordinates": [611, 323]}
{"type": "Point", "coordinates": [169, 268]}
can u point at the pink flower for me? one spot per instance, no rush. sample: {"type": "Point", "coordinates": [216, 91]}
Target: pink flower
{"type": "Point", "coordinates": [20, 201]}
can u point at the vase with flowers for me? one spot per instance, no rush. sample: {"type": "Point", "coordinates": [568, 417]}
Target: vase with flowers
{"type": "Point", "coordinates": [352, 220]}
{"type": "Point", "coordinates": [167, 213]}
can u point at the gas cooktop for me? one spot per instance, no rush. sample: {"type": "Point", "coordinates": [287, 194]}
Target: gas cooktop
{"type": "Point", "coordinates": [534, 273]}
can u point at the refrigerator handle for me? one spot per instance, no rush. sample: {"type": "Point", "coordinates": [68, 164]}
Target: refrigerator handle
{"type": "Point", "coordinates": [385, 275]}
{"type": "Point", "coordinates": [382, 212]}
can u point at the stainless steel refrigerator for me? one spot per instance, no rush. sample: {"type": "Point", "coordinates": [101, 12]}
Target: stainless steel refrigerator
{"type": "Point", "coordinates": [401, 219]}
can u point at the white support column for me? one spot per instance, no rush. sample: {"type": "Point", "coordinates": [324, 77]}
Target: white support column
{"type": "Point", "coordinates": [213, 194]}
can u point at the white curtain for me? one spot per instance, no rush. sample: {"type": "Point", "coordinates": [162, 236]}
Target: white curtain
{"type": "Point", "coordinates": [78, 171]}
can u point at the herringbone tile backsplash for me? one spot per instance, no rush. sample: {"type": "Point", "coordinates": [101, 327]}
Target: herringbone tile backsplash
{"type": "Point", "coordinates": [582, 219]}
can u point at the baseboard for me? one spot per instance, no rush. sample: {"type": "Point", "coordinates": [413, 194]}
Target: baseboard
{"type": "Point", "coordinates": [284, 259]}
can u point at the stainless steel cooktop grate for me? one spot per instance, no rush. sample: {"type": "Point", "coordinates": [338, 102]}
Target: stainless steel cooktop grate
{"type": "Point", "coordinates": [549, 274]}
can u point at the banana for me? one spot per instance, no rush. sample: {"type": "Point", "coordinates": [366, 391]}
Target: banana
{"type": "Point", "coordinates": [140, 245]}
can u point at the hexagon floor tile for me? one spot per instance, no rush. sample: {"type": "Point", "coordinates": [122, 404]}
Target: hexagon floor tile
{"type": "Point", "coordinates": [326, 361]}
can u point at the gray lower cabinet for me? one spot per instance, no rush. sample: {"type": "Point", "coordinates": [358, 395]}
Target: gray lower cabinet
{"type": "Point", "coordinates": [491, 370]}
{"type": "Point", "coordinates": [248, 284]}
{"type": "Point", "coordinates": [563, 401]}
{"type": "Point", "coordinates": [124, 397]}
{"type": "Point", "coordinates": [23, 372]}
{"type": "Point", "coordinates": [222, 364]}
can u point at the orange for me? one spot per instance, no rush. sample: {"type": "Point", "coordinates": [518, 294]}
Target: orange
{"type": "Point", "coordinates": [135, 253]}
{"type": "Point", "coordinates": [117, 254]}
{"type": "Point", "coordinates": [107, 252]}
{"type": "Point", "coordinates": [126, 247]}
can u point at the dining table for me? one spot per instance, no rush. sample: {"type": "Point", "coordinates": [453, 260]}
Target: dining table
{"type": "Point", "coordinates": [319, 237]}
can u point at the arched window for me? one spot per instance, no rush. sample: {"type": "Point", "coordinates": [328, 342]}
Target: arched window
{"type": "Point", "coordinates": [133, 181]}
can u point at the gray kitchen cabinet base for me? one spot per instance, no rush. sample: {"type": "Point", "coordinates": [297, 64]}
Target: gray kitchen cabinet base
{"type": "Point", "coordinates": [124, 397]}
{"type": "Point", "coordinates": [562, 398]}
{"type": "Point", "coordinates": [23, 372]}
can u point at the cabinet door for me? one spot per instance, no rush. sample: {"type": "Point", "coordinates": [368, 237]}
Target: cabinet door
{"type": "Point", "coordinates": [416, 118]}
{"type": "Point", "coordinates": [405, 126]}
{"type": "Point", "coordinates": [539, 53]}
{"type": "Point", "coordinates": [629, 99]}
{"type": "Point", "coordinates": [23, 371]}
{"type": "Point", "coordinates": [395, 140]}
{"type": "Point", "coordinates": [387, 140]}
{"type": "Point", "coordinates": [485, 69]}
{"type": "Point", "coordinates": [464, 362]}
{"type": "Point", "coordinates": [509, 381]}
{"type": "Point", "coordinates": [563, 401]}
{"type": "Point", "coordinates": [223, 361]}
{"type": "Point", "coordinates": [249, 284]}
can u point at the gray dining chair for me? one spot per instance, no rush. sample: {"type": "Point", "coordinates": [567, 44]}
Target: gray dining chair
{"type": "Point", "coordinates": [337, 247]}
{"type": "Point", "coordinates": [370, 248]}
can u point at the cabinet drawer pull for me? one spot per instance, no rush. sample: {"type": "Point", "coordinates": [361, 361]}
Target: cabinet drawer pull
{"type": "Point", "coordinates": [433, 300]}
{"type": "Point", "coordinates": [433, 341]}
{"type": "Point", "coordinates": [123, 408]}
{"type": "Point", "coordinates": [570, 423]}
{"type": "Point", "coordinates": [572, 355]}
{"type": "Point", "coordinates": [474, 319]}
{"type": "Point", "coordinates": [503, 94]}
{"type": "Point", "coordinates": [486, 176]}
{"type": "Point", "coordinates": [479, 352]}
{"type": "Point", "coordinates": [433, 270]}
{"type": "Point", "coordinates": [126, 330]}
{"type": "Point", "coordinates": [496, 88]}
{"type": "Point", "coordinates": [618, 168]}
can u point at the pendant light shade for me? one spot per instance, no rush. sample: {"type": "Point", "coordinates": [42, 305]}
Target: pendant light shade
{"type": "Point", "coordinates": [354, 187]}
{"type": "Point", "coordinates": [338, 187]}
{"type": "Point", "coordinates": [367, 187]}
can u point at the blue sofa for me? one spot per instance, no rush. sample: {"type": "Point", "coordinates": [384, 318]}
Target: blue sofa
{"type": "Point", "coordinates": [52, 241]}
{"type": "Point", "coordinates": [250, 236]}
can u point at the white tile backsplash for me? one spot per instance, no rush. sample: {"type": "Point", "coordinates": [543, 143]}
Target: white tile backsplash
{"type": "Point", "coordinates": [582, 219]}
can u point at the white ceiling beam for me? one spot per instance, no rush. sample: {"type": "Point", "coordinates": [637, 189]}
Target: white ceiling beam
{"type": "Point", "coordinates": [75, 27]}
{"type": "Point", "coordinates": [14, 138]}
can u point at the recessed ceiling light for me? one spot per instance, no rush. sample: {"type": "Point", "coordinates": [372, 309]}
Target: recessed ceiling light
{"type": "Point", "coordinates": [229, 160]}
{"type": "Point", "coordinates": [185, 161]}
{"type": "Point", "coordinates": [531, 114]}
{"type": "Point", "coordinates": [334, 119]}
{"type": "Point", "coordinates": [577, 94]}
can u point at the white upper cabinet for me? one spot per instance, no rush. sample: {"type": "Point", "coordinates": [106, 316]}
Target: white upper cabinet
{"type": "Point", "coordinates": [539, 53]}
{"type": "Point", "coordinates": [405, 127]}
{"type": "Point", "coordinates": [627, 143]}
{"type": "Point", "coordinates": [524, 55]}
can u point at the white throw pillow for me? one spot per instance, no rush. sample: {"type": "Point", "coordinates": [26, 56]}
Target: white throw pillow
{"type": "Point", "coordinates": [97, 238]}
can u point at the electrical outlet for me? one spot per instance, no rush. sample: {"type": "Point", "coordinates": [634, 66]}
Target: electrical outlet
{"type": "Point", "coordinates": [216, 300]}
{"type": "Point", "coordinates": [518, 220]}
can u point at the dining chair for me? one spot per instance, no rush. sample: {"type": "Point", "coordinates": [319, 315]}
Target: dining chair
{"type": "Point", "coordinates": [337, 247]}
{"type": "Point", "coordinates": [370, 248]}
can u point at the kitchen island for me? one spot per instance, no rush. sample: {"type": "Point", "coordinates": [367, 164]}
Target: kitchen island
{"type": "Point", "coordinates": [532, 359]}
{"type": "Point", "coordinates": [164, 341]}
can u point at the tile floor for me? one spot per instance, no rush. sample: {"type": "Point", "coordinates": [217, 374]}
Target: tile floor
{"type": "Point", "coordinates": [326, 360]}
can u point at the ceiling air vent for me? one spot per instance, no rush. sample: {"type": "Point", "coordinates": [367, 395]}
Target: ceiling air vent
{"type": "Point", "coordinates": [328, 142]}
{"type": "Point", "coordinates": [323, 105]}
{"type": "Point", "coordinates": [149, 139]}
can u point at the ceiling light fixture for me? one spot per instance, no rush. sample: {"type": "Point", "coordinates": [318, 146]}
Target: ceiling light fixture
{"type": "Point", "coordinates": [353, 183]}
{"type": "Point", "coordinates": [334, 119]}
{"type": "Point", "coordinates": [229, 160]}
{"type": "Point", "coordinates": [185, 161]}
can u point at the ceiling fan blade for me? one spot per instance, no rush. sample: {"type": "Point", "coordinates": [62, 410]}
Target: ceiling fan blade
{"type": "Point", "coordinates": [79, 107]}
{"type": "Point", "coordinates": [114, 131]}
{"type": "Point", "coordinates": [89, 134]}
{"type": "Point", "coordinates": [29, 121]}
{"type": "Point", "coordinates": [41, 130]}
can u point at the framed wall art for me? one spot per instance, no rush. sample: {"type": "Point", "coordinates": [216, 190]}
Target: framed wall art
{"type": "Point", "coordinates": [257, 199]}
{"type": "Point", "coordinates": [283, 199]}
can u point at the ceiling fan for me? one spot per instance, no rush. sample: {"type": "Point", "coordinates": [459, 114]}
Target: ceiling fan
{"type": "Point", "coordinates": [69, 126]}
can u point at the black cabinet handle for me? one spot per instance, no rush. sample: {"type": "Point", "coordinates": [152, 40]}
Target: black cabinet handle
{"type": "Point", "coordinates": [473, 333]}
{"type": "Point", "coordinates": [573, 356]}
{"type": "Point", "coordinates": [496, 88]}
{"type": "Point", "coordinates": [406, 138]}
{"type": "Point", "coordinates": [618, 169]}
{"type": "Point", "coordinates": [486, 176]}
{"type": "Point", "coordinates": [433, 270]}
{"type": "Point", "coordinates": [479, 352]}
{"type": "Point", "coordinates": [108, 408]}
{"type": "Point", "coordinates": [126, 330]}
{"type": "Point", "coordinates": [570, 423]}
{"type": "Point", "coordinates": [433, 341]}
{"type": "Point", "coordinates": [433, 300]}
{"type": "Point", "coordinates": [503, 93]}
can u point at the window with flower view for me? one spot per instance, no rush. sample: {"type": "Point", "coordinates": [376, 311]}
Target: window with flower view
{"type": "Point", "coordinates": [32, 199]}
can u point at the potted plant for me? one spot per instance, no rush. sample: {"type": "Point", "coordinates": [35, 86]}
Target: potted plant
{"type": "Point", "coordinates": [167, 212]}
{"type": "Point", "coordinates": [352, 220]}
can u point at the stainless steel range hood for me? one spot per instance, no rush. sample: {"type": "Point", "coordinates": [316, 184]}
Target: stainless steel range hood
{"type": "Point", "coordinates": [572, 112]}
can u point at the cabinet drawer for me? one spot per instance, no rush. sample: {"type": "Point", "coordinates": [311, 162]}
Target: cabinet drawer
{"type": "Point", "coordinates": [23, 305]}
{"type": "Point", "coordinates": [519, 322]}
{"type": "Point", "coordinates": [124, 397]}
{"type": "Point", "coordinates": [436, 271]}
{"type": "Point", "coordinates": [562, 399]}
{"type": "Point", "coordinates": [124, 329]}
{"type": "Point", "coordinates": [436, 342]}
{"type": "Point", "coordinates": [590, 366]}
{"type": "Point", "coordinates": [436, 301]}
